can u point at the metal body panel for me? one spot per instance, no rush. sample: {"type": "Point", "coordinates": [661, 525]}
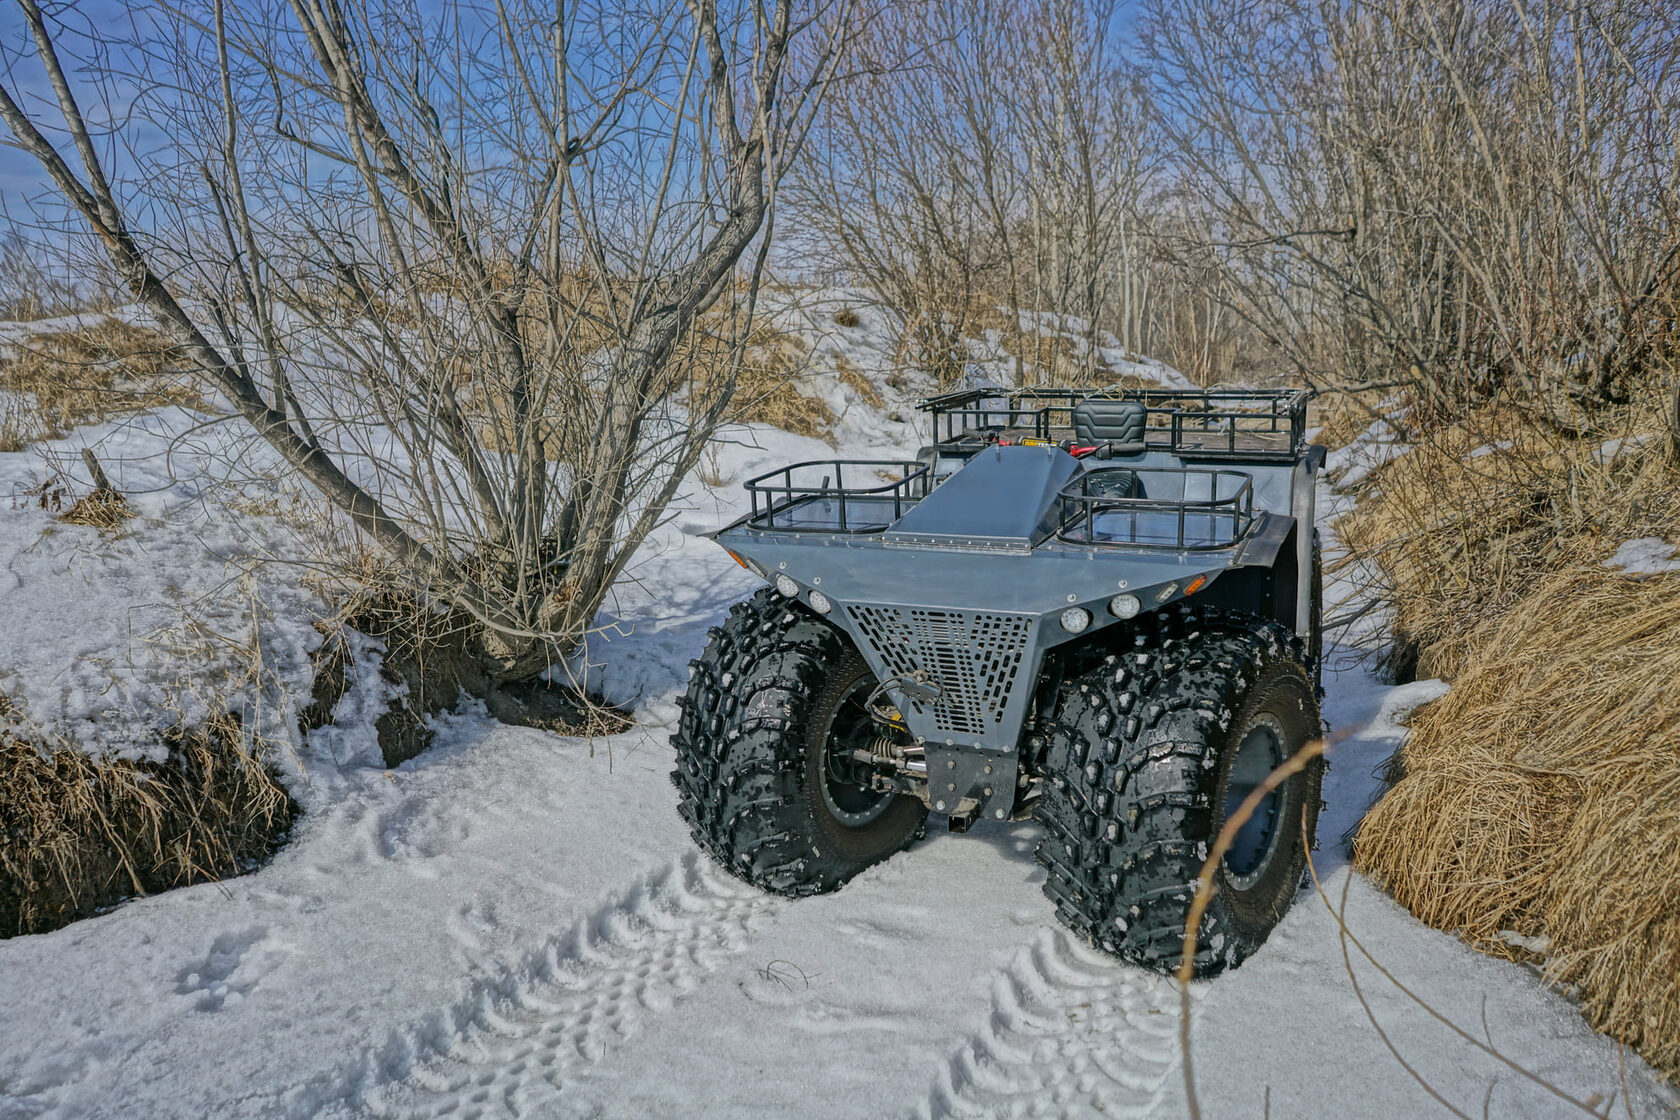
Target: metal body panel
{"type": "Point", "coordinates": [1005, 497]}
{"type": "Point", "coordinates": [1304, 501]}
{"type": "Point", "coordinates": [1261, 547]}
{"type": "Point", "coordinates": [978, 620]}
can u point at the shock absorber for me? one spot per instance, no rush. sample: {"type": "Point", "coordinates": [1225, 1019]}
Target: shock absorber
{"type": "Point", "coordinates": [887, 753]}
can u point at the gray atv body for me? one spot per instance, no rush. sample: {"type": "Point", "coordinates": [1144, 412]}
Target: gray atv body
{"type": "Point", "coordinates": [974, 577]}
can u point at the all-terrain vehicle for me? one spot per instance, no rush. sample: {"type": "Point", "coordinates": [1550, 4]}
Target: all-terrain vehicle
{"type": "Point", "coordinates": [1099, 610]}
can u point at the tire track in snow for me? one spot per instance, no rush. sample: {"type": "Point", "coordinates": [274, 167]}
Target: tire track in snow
{"type": "Point", "coordinates": [1072, 1032]}
{"type": "Point", "coordinates": [521, 1047]}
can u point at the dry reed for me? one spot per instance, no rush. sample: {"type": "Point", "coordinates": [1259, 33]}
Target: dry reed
{"type": "Point", "coordinates": [82, 833]}
{"type": "Point", "coordinates": [1540, 798]}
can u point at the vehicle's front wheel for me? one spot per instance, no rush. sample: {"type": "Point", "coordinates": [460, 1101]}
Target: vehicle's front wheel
{"type": "Point", "coordinates": [765, 772]}
{"type": "Point", "coordinates": [1148, 756]}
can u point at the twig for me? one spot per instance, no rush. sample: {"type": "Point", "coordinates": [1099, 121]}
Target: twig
{"type": "Point", "coordinates": [100, 481]}
{"type": "Point", "coordinates": [1348, 936]}
{"type": "Point", "coordinates": [1291, 766]}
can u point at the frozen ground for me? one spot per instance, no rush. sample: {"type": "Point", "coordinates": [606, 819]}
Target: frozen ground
{"type": "Point", "coordinates": [516, 922]}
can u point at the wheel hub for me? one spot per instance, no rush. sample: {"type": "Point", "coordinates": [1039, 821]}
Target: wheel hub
{"type": "Point", "coordinates": [1258, 753]}
{"type": "Point", "coordinates": [845, 786]}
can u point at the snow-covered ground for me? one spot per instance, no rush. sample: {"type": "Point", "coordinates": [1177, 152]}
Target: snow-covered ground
{"type": "Point", "coordinates": [516, 922]}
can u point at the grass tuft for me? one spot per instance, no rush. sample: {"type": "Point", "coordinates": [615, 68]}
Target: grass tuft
{"type": "Point", "coordinates": [1540, 797]}
{"type": "Point", "coordinates": [102, 509]}
{"type": "Point", "coordinates": [58, 379]}
{"type": "Point", "coordinates": [82, 834]}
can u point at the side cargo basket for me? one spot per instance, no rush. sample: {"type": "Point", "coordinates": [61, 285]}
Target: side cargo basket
{"type": "Point", "coordinates": [818, 496]}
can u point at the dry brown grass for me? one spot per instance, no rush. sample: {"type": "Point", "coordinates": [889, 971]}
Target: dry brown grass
{"type": "Point", "coordinates": [1045, 358]}
{"type": "Point", "coordinates": [19, 424]}
{"type": "Point", "coordinates": [88, 374]}
{"type": "Point", "coordinates": [1460, 537]}
{"type": "Point", "coordinates": [1341, 416]}
{"type": "Point", "coordinates": [102, 509]}
{"type": "Point", "coordinates": [767, 392]}
{"type": "Point", "coordinates": [773, 366]}
{"type": "Point", "coordinates": [1541, 795]}
{"type": "Point", "coordinates": [82, 834]}
{"type": "Point", "coordinates": [854, 380]}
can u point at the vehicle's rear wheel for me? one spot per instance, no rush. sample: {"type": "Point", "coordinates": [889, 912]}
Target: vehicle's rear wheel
{"type": "Point", "coordinates": [765, 774]}
{"type": "Point", "coordinates": [1149, 754]}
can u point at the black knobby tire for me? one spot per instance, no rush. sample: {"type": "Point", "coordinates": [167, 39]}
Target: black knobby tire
{"type": "Point", "coordinates": [774, 681]}
{"type": "Point", "coordinates": [1147, 753]}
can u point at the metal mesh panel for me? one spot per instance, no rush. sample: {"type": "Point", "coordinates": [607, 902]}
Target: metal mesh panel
{"type": "Point", "coordinates": [974, 657]}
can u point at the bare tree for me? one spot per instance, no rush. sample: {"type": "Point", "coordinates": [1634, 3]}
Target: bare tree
{"type": "Point", "coordinates": [1080, 120]}
{"type": "Point", "coordinates": [480, 274]}
{"type": "Point", "coordinates": [986, 156]}
{"type": "Point", "coordinates": [1463, 198]}
{"type": "Point", "coordinates": [887, 193]}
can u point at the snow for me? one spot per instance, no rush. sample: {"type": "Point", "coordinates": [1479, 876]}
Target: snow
{"type": "Point", "coordinates": [1374, 448]}
{"type": "Point", "coordinates": [1647, 556]}
{"type": "Point", "coordinates": [109, 635]}
{"type": "Point", "coordinates": [516, 922]}
{"type": "Point", "coordinates": [1491, 448]}
{"type": "Point", "coordinates": [1611, 449]}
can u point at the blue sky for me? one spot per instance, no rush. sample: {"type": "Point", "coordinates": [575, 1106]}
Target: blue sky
{"type": "Point", "coordinates": [22, 182]}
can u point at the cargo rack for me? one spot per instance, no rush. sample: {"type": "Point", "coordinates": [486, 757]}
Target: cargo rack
{"type": "Point", "coordinates": [812, 497]}
{"type": "Point", "coordinates": [1093, 513]}
{"type": "Point", "coordinates": [1253, 424]}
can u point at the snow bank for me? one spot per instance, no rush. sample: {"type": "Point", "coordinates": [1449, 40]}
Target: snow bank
{"type": "Point", "coordinates": [112, 634]}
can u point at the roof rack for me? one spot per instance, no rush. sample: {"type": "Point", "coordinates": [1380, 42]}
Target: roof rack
{"type": "Point", "coordinates": [1197, 423]}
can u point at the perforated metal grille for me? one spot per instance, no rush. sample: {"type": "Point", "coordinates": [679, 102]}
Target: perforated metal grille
{"type": "Point", "coordinates": [974, 658]}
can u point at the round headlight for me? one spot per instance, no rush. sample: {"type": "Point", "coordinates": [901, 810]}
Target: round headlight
{"type": "Point", "coordinates": [1075, 619]}
{"type": "Point", "coordinates": [786, 586]}
{"type": "Point", "coordinates": [820, 603]}
{"type": "Point", "coordinates": [1125, 606]}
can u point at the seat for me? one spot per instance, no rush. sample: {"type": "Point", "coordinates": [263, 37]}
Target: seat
{"type": "Point", "coordinates": [1120, 424]}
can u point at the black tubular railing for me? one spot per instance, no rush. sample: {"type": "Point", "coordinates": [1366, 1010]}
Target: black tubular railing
{"type": "Point", "coordinates": [1239, 423]}
{"type": "Point", "coordinates": [1102, 507]}
{"type": "Point", "coordinates": [813, 497]}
